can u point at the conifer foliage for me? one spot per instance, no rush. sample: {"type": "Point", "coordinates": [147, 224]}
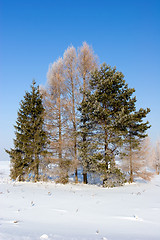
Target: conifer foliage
{"type": "Point", "coordinates": [31, 139]}
{"type": "Point", "coordinates": [106, 111]}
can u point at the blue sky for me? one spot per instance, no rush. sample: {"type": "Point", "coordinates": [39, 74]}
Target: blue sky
{"type": "Point", "coordinates": [34, 33]}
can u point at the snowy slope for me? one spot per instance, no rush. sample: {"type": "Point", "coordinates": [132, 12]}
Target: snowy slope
{"type": "Point", "coordinates": [32, 211]}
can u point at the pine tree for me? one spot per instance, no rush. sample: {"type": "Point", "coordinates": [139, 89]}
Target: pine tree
{"type": "Point", "coordinates": [31, 140]}
{"type": "Point", "coordinates": [106, 105]}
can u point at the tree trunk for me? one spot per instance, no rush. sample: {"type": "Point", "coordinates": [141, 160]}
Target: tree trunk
{"type": "Point", "coordinates": [75, 154]}
{"type": "Point", "coordinates": [20, 178]}
{"type": "Point", "coordinates": [36, 172]}
{"type": "Point", "coordinates": [157, 169]}
{"type": "Point", "coordinates": [59, 129]}
{"type": "Point", "coordinates": [105, 149]}
{"type": "Point", "coordinates": [85, 180]}
{"type": "Point", "coordinates": [131, 163]}
{"type": "Point", "coordinates": [74, 129]}
{"type": "Point", "coordinates": [84, 84]}
{"type": "Point", "coordinates": [76, 175]}
{"type": "Point", "coordinates": [105, 141]}
{"type": "Point", "coordinates": [63, 176]}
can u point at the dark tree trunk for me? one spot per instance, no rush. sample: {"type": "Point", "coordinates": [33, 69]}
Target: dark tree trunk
{"type": "Point", "coordinates": [105, 149]}
{"type": "Point", "coordinates": [76, 175]}
{"type": "Point", "coordinates": [85, 180]}
{"type": "Point", "coordinates": [131, 167]}
{"type": "Point", "coordinates": [36, 171]}
{"type": "Point", "coordinates": [74, 128]}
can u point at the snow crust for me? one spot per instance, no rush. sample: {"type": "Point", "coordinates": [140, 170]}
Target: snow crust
{"type": "Point", "coordinates": [32, 211]}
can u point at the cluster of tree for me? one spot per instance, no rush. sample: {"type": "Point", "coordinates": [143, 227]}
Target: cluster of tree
{"type": "Point", "coordinates": [68, 79]}
{"type": "Point", "coordinates": [83, 119]}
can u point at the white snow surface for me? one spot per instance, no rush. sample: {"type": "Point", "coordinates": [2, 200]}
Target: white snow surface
{"type": "Point", "coordinates": [32, 211]}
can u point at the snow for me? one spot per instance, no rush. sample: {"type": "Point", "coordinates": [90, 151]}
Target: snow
{"type": "Point", "coordinates": [32, 211]}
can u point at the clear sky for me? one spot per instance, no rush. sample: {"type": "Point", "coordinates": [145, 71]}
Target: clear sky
{"type": "Point", "coordinates": [34, 33]}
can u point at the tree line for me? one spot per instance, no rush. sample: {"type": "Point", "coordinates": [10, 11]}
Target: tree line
{"type": "Point", "coordinates": [84, 120]}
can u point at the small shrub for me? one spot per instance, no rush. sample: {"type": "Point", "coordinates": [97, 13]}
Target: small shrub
{"type": "Point", "coordinates": [114, 178]}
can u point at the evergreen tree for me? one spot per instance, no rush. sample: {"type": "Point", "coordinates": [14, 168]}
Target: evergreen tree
{"type": "Point", "coordinates": [104, 109]}
{"type": "Point", "coordinates": [31, 139]}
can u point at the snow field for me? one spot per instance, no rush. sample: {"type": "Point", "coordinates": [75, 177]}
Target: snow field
{"type": "Point", "coordinates": [32, 211]}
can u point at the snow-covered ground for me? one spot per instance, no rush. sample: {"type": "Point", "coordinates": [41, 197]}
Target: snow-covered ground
{"type": "Point", "coordinates": [32, 211]}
